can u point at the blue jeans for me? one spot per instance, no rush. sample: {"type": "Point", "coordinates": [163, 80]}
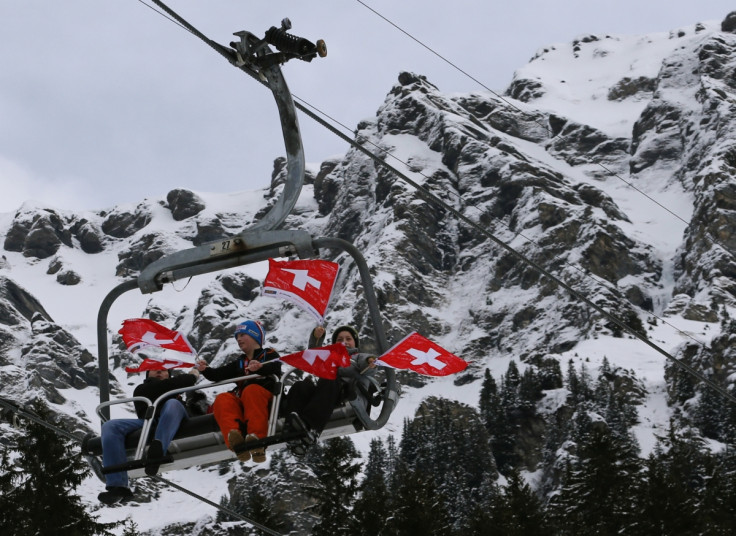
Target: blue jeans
{"type": "Point", "coordinates": [114, 432]}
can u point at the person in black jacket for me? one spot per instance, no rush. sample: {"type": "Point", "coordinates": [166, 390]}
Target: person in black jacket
{"type": "Point", "coordinates": [309, 405]}
{"type": "Point", "coordinates": [242, 414]}
{"type": "Point", "coordinates": [169, 417]}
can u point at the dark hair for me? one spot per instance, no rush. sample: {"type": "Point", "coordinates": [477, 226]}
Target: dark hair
{"type": "Point", "coordinates": [167, 370]}
{"type": "Point", "coordinates": [350, 330]}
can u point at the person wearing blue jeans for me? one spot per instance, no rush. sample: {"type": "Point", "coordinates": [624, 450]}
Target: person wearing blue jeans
{"type": "Point", "coordinates": [171, 414]}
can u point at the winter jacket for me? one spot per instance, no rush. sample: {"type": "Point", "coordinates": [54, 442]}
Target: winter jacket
{"type": "Point", "coordinates": [238, 367]}
{"type": "Point", "coordinates": [152, 388]}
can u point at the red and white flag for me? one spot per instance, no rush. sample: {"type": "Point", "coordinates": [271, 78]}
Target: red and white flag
{"type": "Point", "coordinates": [421, 355]}
{"type": "Point", "coordinates": [307, 283]}
{"type": "Point", "coordinates": [158, 364]}
{"type": "Point", "coordinates": [141, 332]}
{"type": "Point", "coordinates": [322, 362]}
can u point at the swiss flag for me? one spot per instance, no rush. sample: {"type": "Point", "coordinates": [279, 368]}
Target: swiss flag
{"type": "Point", "coordinates": [307, 283]}
{"type": "Point", "coordinates": [421, 355]}
{"type": "Point", "coordinates": [322, 362]}
{"type": "Point", "coordinates": [141, 332]}
{"type": "Point", "coordinates": [158, 364]}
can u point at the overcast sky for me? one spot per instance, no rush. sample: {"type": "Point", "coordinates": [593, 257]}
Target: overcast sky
{"type": "Point", "coordinates": [108, 102]}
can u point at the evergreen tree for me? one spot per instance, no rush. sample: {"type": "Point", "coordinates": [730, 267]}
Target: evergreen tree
{"type": "Point", "coordinates": [252, 497]}
{"type": "Point", "coordinates": [548, 372]}
{"type": "Point", "coordinates": [711, 414]}
{"type": "Point", "coordinates": [39, 476]}
{"type": "Point", "coordinates": [530, 389]}
{"type": "Point", "coordinates": [448, 441]}
{"type": "Point", "coordinates": [130, 528]}
{"type": "Point", "coordinates": [392, 459]}
{"type": "Point", "coordinates": [729, 424]}
{"type": "Point", "coordinates": [572, 382]}
{"type": "Point", "coordinates": [675, 483]}
{"type": "Point", "coordinates": [517, 511]}
{"type": "Point", "coordinates": [717, 504]}
{"type": "Point", "coordinates": [599, 493]}
{"type": "Point", "coordinates": [493, 417]}
{"type": "Point", "coordinates": [506, 426]}
{"type": "Point", "coordinates": [489, 403]}
{"type": "Point", "coordinates": [418, 506]}
{"type": "Point", "coordinates": [680, 384]}
{"type": "Point", "coordinates": [336, 486]}
{"type": "Point", "coordinates": [510, 388]}
{"type": "Point", "coordinates": [603, 388]}
{"type": "Point", "coordinates": [372, 507]}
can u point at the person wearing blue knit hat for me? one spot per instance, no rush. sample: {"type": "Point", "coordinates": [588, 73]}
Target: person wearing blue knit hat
{"type": "Point", "coordinates": [252, 328]}
{"type": "Point", "coordinates": [242, 414]}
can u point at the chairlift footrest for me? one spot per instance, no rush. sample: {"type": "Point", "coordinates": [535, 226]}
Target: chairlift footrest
{"type": "Point", "coordinates": [136, 464]}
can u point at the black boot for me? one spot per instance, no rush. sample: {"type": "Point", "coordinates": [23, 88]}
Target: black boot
{"type": "Point", "coordinates": [115, 495]}
{"type": "Point", "coordinates": [297, 424]}
{"type": "Point", "coordinates": [153, 458]}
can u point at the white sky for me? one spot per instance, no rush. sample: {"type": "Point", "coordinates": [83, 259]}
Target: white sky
{"type": "Point", "coordinates": [108, 102]}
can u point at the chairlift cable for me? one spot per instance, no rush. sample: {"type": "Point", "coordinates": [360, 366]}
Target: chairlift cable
{"type": "Point", "coordinates": [38, 420]}
{"type": "Point", "coordinates": [218, 506]}
{"type": "Point", "coordinates": [428, 196]}
{"type": "Point", "coordinates": [582, 272]}
{"type": "Point", "coordinates": [546, 127]}
{"type": "Point", "coordinates": [164, 15]}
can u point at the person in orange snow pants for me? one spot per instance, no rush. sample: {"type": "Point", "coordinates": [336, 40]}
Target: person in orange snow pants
{"type": "Point", "coordinates": [242, 414]}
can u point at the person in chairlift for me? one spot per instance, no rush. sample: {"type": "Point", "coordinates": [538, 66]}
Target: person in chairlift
{"type": "Point", "coordinates": [242, 414]}
{"type": "Point", "coordinates": [170, 416]}
{"type": "Point", "coordinates": [309, 405]}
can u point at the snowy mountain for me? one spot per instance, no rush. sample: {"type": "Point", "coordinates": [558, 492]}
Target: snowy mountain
{"type": "Point", "coordinates": [609, 162]}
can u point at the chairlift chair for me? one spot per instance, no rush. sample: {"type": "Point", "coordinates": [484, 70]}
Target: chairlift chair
{"type": "Point", "coordinates": [199, 440]}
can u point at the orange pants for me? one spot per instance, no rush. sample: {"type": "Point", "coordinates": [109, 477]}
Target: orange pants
{"type": "Point", "coordinates": [250, 408]}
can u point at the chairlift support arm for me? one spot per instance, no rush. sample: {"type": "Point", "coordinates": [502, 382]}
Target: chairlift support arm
{"type": "Point", "coordinates": [261, 240]}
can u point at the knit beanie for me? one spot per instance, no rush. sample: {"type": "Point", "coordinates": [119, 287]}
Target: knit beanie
{"type": "Point", "coordinates": [349, 329]}
{"type": "Point", "coordinates": [252, 328]}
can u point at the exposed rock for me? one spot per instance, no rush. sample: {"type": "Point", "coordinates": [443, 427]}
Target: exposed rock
{"type": "Point", "coordinates": [54, 266]}
{"type": "Point", "coordinates": [17, 305]}
{"type": "Point", "coordinates": [37, 234]}
{"type": "Point", "coordinates": [239, 285]}
{"type": "Point", "coordinates": [184, 204]}
{"type": "Point", "coordinates": [628, 87]}
{"type": "Point", "coordinates": [68, 277]}
{"type": "Point", "coordinates": [121, 223]}
{"type": "Point", "coordinates": [15, 239]}
{"type": "Point", "coordinates": [90, 236]}
{"type": "Point", "coordinates": [325, 187]}
{"type": "Point", "coordinates": [579, 144]}
{"type": "Point", "coordinates": [525, 90]}
{"type": "Point", "coordinates": [279, 174]}
{"type": "Point", "coordinates": [142, 252]}
{"type": "Point", "coordinates": [729, 23]}
{"type": "Point", "coordinates": [56, 359]}
{"type": "Point", "coordinates": [209, 230]}
{"type": "Point", "coordinates": [214, 320]}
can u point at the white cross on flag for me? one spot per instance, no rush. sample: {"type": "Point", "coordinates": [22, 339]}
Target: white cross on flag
{"type": "Point", "coordinates": [307, 283]}
{"type": "Point", "coordinates": [322, 362]}
{"type": "Point", "coordinates": [158, 364]}
{"type": "Point", "coordinates": [141, 332]}
{"type": "Point", "coordinates": [421, 355]}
